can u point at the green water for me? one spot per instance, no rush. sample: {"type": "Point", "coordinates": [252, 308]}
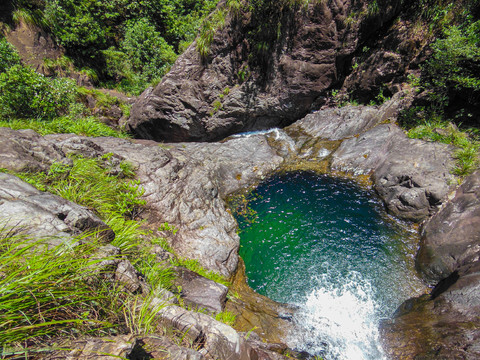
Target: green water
{"type": "Point", "coordinates": [327, 246]}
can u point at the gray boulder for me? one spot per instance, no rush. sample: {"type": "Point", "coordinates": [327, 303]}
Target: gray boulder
{"type": "Point", "coordinates": [44, 215]}
{"type": "Point", "coordinates": [200, 292]}
{"type": "Point", "coordinates": [411, 176]}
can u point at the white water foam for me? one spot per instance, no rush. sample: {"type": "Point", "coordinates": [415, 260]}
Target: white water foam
{"type": "Point", "coordinates": [339, 320]}
{"type": "Point", "coordinates": [278, 133]}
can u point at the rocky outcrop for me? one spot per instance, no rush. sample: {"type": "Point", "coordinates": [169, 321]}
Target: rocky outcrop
{"type": "Point", "coordinates": [450, 240]}
{"type": "Point", "coordinates": [238, 90]}
{"type": "Point", "coordinates": [108, 348]}
{"type": "Point", "coordinates": [219, 341]}
{"type": "Point", "coordinates": [43, 215]}
{"type": "Point", "coordinates": [444, 324]}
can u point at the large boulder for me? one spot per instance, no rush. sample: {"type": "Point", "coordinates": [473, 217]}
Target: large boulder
{"type": "Point", "coordinates": [442, 325]}
{"type": "Point", "coordinates": [451, 238]}
{"type": "Point", "coordinates": [237, 90]}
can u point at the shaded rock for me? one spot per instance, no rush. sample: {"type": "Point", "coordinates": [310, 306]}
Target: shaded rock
{"type": "Point", "coordinates": [411, 176]}
{"type": "Point", "coordinates": [310, 56]}
{"type": "Point", "coordinates": [162, 348]}
{"type": "Point", "coordinates": [451, 238]}
{"type": "Point", "coordinates": [446, 326]}
{"type": "Point", "coordinates": [271, 321]}
{"type": "Point", "coordinates": [107, 348]}
{"type": "Point", "coordinates": [201, 292]}
{"type": "Point", "coordinates": [45, 215]}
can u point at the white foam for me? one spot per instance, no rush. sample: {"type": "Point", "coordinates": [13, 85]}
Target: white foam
{"type": "Point", "coordinates": [339, 320]}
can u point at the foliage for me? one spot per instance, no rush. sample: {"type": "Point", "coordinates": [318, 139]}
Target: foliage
{"type": "Point", "coordinates": [26, 93]}
{"type": "Point", "coordinates": [44, 292]}
{"type": "Point", "coordinates": [137, 40]}
{"type": "Point", "coordinates": [144, 56]}
{"type": "Point", "coordinates": [226, 317]}
{"type": "Point", "coordinates": [8, 55]}
{"type": "Point", "coordinates": [454, 64]}
{"type": "Point", "coordinates": [466, 156]}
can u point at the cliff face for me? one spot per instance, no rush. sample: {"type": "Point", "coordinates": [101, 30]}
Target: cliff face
{"type": "Point", "coordinates": [241, 88]}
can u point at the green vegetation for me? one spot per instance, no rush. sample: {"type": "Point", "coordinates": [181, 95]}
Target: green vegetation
{"type": "Point", "coordinates": [29, 100]}
{"type": "Point", "coordinates": [466, 156]}
{"type": "Point", "coordinates": [45, 292]}
{"type": "Point", "coordinates": [54, 292]}
{"type": "Point", "coordinates": [450, 82]}
{"type": "Point", "coordinates": [137, 40]}
{"type": "Point", "coordinates": [25, 93]}
{"type": "Point", "coordinates": [226, 317]}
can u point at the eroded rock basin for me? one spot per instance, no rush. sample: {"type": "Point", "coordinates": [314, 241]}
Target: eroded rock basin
{"type": "Point", "coordinates": [327, 246]}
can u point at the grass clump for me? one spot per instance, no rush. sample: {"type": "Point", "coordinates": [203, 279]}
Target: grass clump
{"type": "Point", "coordinates": [226, 317]}
{"type": "Point", "coordinates": [195, 266]}
{"type": "Point", "coordinates": [102, 185]}
{"type": "Point", "coordinates": [48, 292]}
{"type": "Point", "coordinates": [467, 157]}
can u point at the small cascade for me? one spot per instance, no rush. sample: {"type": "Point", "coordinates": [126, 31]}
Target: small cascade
{"type": "Point", "coordinates": [339, 320]}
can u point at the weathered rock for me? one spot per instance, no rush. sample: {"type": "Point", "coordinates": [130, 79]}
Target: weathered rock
{"type": "Point", "coordinates": [310, 57]}
{"type": "Point", "coordinates": [130, 278]}
{"type": "Point", "coordinates": [444, 325]}
{"type": "Point", "coordinates": [45, 215]}
{"type": "Point", "coordinates": [201, 292]}
{"type": "Point", "coordinates": [451, 238]}
{"type": "Point", "coordinates": [108, 348]}
{"type": "Point", "coordinates": [344, 122]}
{"type": "Point", "coordinates": [185, 185]}
{"type": "Point", "coordinates": [219, 341]}
{"type": "Point", "coordinates": [411, 176]}
{"type": "Point", "coordinates": [25, 150]}
{"type": "Point", "coordinates": [162, 348]}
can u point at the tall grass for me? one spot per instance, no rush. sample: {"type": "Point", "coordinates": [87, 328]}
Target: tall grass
{"type": "Point", "coordinates": [46, 293]}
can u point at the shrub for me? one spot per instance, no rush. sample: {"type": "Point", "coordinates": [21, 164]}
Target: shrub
{"type": "Point", "coordinates": [455, 63]}
{"type": "Point", "coordinates": [8, 55]}
{"type": "Point", "coordinates": [25, 93]}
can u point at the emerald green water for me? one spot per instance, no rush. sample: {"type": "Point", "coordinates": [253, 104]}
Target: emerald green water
{"type": "Point", "coordinates": [327, 246]}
